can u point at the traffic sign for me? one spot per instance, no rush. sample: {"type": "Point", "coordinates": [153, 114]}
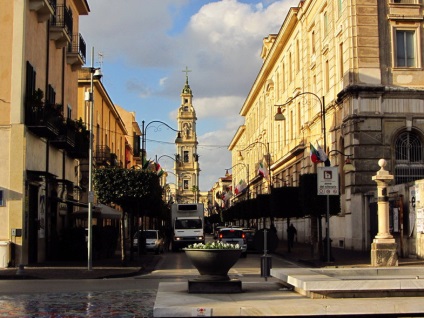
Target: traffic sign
{"type": "Point", "coordinates": [328, 181]}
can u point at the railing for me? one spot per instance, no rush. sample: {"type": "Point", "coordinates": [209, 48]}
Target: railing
{"type": "Point", "coordinates": [43, 119]}
{"type": "Point", "coordinates": [78, 46]}
{"type": "Point", "coordinates": [102, 154]}
{"type": "Point", "coordinates": [405, 1]}
{"type": "Point", "coordinates": [63, 19]}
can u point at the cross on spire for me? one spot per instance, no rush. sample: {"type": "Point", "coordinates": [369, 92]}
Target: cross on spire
{"type": "Point", "coordinates": [186, 71]}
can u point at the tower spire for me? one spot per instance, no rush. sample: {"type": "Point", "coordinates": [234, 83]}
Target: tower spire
{"type": "Point", "coordinates": [187, 89]}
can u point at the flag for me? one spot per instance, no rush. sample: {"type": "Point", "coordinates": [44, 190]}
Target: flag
{"type": "Point", "coordinates": [263, 171]}
{"type": "Point", "coordinates": [240, 187]}
{"type": "Point", "coordinates": [227, 196]}
{"type": "Point", "coordinates": [145, 163]}
{"type": "Point", "coordinates": [318, 155]}
{"type": "Point", "coordinates": [314, 154]}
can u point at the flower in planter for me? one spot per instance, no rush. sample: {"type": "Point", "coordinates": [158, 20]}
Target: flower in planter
{"type": "Point", "coordinates": [214, 246]}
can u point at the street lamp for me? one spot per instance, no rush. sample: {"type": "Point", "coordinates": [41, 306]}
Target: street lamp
{"type": "Point", "coordinates": [94, 72]}
{"type": "Point", "coordinates": [144, 131]}
{"type": "Point", "coordinates": [176, 160]}
{"type": "Point", "coordinates": [348, 166]}
{"type": "Point", "coordinates": [246, 166]}
{"type": "Point", "coordinates": [265, 258]}
{"type": "Point", "coordinates": [280, 116]}
{"type": "Point", "coordinates": [268, 159]}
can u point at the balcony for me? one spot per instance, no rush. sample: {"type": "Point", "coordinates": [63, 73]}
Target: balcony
{"type": "Point", "coordinates": [44, 9]}
{"type": "Point", "coordinates": [76, 54]}
{"type": "Point", "coordinates": [102, 155]}
{"type": "Point", "coordinates": [43, 119]}
{"type": "Point", "coordinates": [61, 26]}
{"type": "Point", "coordinates": [66, 137]}
{"type": "Point", "coordinates": [405, 10]}
{"type": "Point", "coordinates": [82, 142]}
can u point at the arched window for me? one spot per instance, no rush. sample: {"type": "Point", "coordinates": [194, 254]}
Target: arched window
{"type": "Point", "coordinates": [409, 164]}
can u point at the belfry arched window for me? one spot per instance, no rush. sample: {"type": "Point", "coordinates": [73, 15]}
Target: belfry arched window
{"type": "Point", "coordinates": [409, 164]}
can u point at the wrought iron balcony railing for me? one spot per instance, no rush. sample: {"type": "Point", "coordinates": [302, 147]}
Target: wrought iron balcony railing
{"type": "Point", "coordinates": [77, 50]}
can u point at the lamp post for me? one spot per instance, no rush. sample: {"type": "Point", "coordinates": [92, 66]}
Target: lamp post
{"type": "Point", "coordinates": [266, 259]}
{"type": "Point", "coordinates": [246, 166]}
{"type": "Point", "coordinates": [90, 98]}
{"type": "Point", "coordinates": [144, 131]}
{"type": "Point", "coordinates": [279, 116]}
{"type": "Point", "coordinates": [268, 160]}
{"type": "Point", "coordinates": [176, 160]}
{"type": "Point", "coordinates": [348, 166]}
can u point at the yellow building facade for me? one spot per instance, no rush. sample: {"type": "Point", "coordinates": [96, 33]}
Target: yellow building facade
{"type": "Point", "coordinates": [42, 51]}
{"type": "Point", "coordinates": [346, 76]}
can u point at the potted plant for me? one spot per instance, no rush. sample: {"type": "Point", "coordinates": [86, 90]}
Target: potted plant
{"type": "Point", "coordinates": [213, 260]}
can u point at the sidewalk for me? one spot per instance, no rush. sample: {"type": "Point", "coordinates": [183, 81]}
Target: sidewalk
{"type": "Point", "coordinates": [111, 268]}
{"type": "Point", "coordinates": [303, 254]}
{"type": "Point", "coordinates": [106, 268]}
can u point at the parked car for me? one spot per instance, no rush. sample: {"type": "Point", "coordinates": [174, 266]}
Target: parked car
{"type": "Point", "coordinates": [234, 236]}
{"type": "Point", "coordinates": [154, 241]}
{"type": "Point", "coordinates": [250, 238]}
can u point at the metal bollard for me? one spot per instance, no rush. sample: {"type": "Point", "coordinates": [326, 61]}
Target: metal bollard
{"type": "Point", "coordinates": [266, 265]}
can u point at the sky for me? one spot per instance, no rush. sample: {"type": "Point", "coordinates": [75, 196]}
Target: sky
{"type": "Point", "coordinates": [144, 46]}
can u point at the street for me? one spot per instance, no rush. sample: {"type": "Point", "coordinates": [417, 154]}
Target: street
{"type": "Point", "coordinates": [123, 297]}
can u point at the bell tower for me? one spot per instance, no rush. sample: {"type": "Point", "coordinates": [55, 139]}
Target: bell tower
{"type": "Point", "coordinates": [187, 170]}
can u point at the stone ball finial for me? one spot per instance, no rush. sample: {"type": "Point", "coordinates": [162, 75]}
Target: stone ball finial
{"type": "Point", "coordinates": [382, 163]}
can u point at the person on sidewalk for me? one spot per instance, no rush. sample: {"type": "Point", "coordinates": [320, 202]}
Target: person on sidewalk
{"type": "Point", "coordinates": [291, 233]}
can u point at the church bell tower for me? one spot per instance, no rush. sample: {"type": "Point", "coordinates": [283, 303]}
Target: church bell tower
{"type": "Point", "coordinates": [187, 170]}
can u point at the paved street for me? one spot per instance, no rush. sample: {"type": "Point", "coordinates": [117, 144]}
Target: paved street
{"type": "Point", "coordinates": [115, 297]}
{"type": "Point", "coordinates": [74, 292]}
{"type": "Point", "coordinates": [124, 303]}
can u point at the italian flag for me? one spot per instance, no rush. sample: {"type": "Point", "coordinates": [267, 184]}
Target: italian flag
{"type": "Point", "coordinates": [263, 171]}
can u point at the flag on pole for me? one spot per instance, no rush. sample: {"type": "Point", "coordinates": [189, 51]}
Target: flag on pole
{"type": "Point", "coordinates": [318, 155]}
{"type": "Point", "coordinates": [240, 187]}
{"type": "Point", "coordinates": [263, 170]}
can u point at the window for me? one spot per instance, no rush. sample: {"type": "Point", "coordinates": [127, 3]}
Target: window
{"type": "Point", "coordinates": [339, 7]}
{"type": "Point", "coordinates": [297, 56]}
{"type": "Point", "coordinates": [69, 112]}
{"type": "Point", "coordinates": [409, 164]}
{"type": "Point", "coordinates": [313, 42]}
{"type": "Point", "coordinates": [1, 198]}
{"type": "Point", "coordinates": [30, 81]}
{"type": "Point", "coordinates": [341, 60]}
{"type": "Point", "coordinates": [405, 48]}
{"type": "Point", "coordinates": [290, 68]}
{"type": "Point", "coordinates": [327, 76]}
{"type": "Point", "coordinates": [185, 184]}
{"type": "Point", "coordinates": [186, 157]}
{"type": "Point", "coordinates": [299, 121]}
{"type": "Point", "coordinates": [325, 23]}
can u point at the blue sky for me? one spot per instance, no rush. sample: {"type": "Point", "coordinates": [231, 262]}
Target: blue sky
{"type": "Point", "coordinates": [145, 46]}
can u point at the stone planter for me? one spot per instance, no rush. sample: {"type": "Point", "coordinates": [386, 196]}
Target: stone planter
{"type": "Point", "coordinates": [213, 264]}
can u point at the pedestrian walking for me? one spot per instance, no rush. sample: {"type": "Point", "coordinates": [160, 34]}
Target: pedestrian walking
{"type": "Point", "coordinates": [291, 233]}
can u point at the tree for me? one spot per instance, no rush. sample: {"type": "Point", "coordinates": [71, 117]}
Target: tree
{"type": "Point", "coordinates": [134, 190]}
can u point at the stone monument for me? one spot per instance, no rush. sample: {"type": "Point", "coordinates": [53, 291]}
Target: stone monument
{"type": "Point", "coordinates": [384, 247]}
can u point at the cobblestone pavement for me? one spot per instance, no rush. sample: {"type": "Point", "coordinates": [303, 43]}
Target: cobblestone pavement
{"type": "Point", "coordinates": [125, 303]}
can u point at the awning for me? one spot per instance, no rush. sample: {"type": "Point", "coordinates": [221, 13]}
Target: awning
{"type": "Point", "coordinates": [100, 211]}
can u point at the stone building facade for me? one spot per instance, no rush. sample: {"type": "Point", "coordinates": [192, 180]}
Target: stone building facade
{"type": "Point", "coordinates": [347, 76]}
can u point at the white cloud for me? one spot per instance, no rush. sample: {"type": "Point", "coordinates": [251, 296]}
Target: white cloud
{"type": "Point", "coordinates": [220, 43]}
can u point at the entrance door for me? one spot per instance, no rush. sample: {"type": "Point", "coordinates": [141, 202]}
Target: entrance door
{"type": "Point", "coordinates": [373, 220]}
{"type": "Point", "coordinates": [33, 224]}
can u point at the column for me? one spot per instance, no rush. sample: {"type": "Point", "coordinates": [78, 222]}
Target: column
{"type": "Point", "coordinates": [384, 247]}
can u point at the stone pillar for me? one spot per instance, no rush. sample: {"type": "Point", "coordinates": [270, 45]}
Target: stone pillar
{"type": "Point", "coordinates": [384, 247]}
